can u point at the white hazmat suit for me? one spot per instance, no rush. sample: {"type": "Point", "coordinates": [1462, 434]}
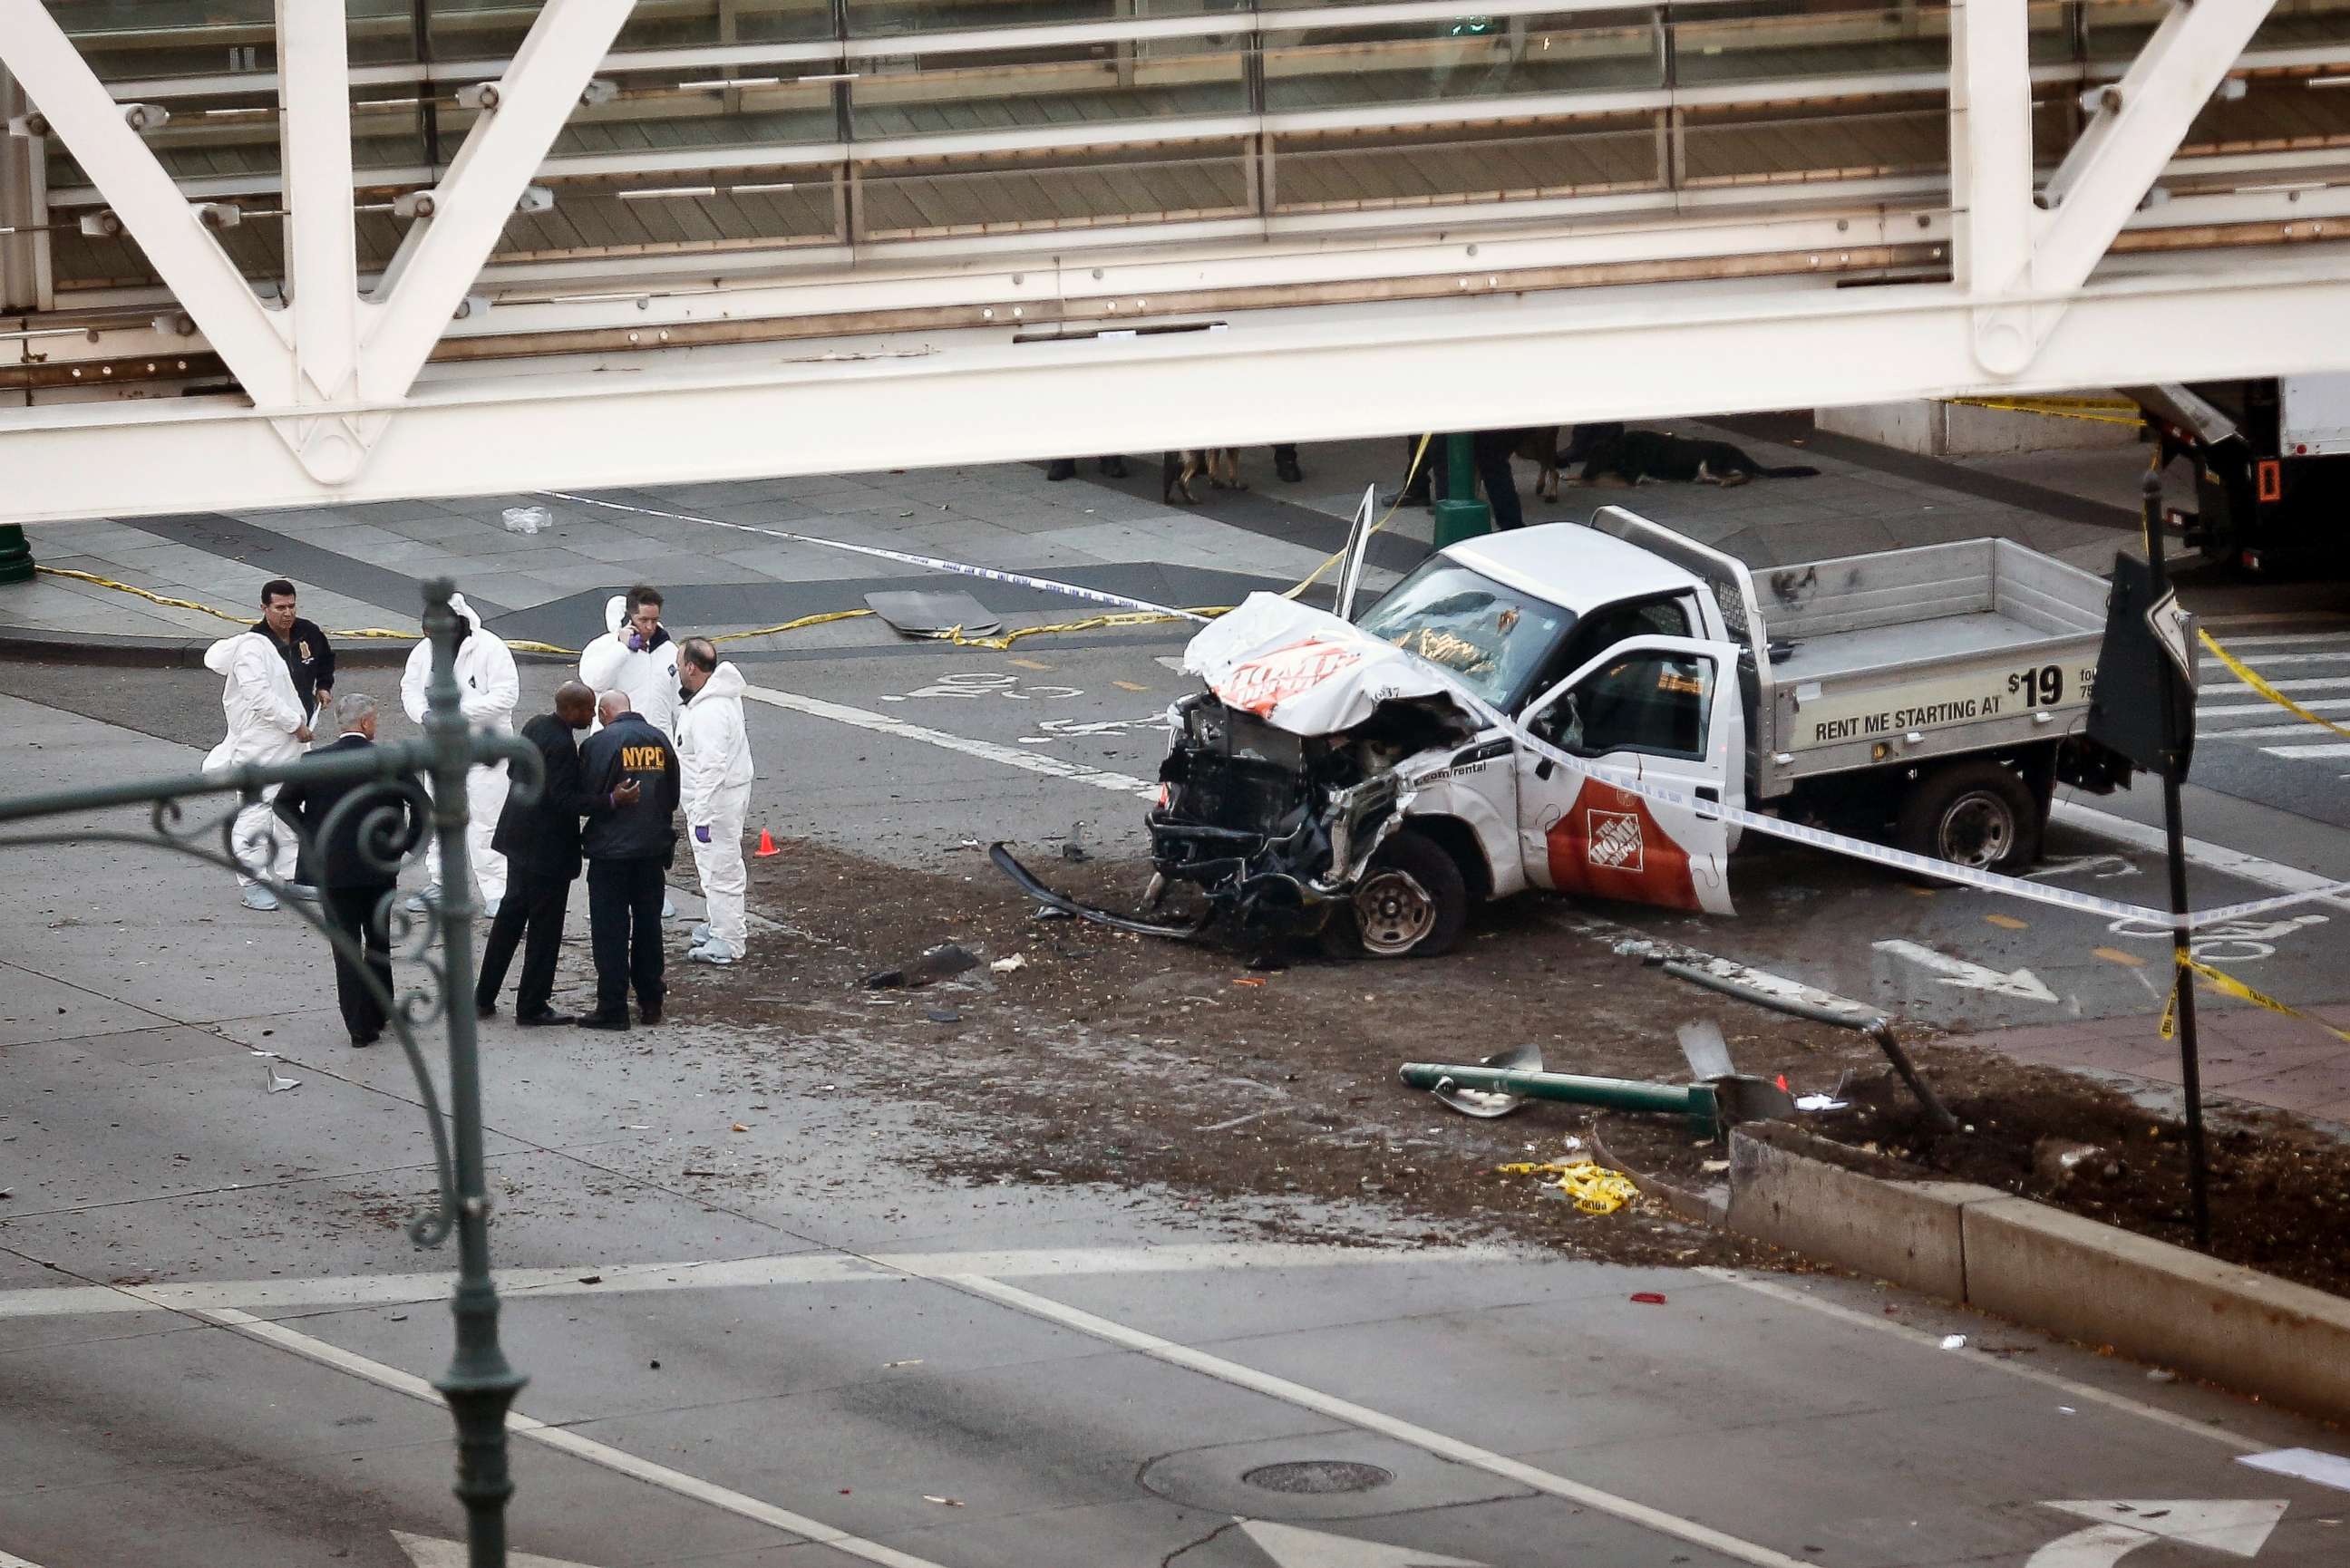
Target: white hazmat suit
{"type": "Point", "coordinates": [488, 688]}
{"type": "Point", "coordinates": [649, 675]}
{"type": "Point", "coordinates": [714, 754]}
{"type": "Point", "coordinates": [263, 713]}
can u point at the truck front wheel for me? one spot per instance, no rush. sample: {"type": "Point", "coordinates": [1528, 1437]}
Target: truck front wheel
{"type": "Point", "coordinates": [1412, 903]}
{"type": "Point", "coordinates": [1979, 814]}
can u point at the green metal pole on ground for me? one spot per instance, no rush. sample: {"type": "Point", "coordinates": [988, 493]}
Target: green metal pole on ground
{"type": "Point", "coordinates": [1695, 1101]}
{"type": "Point", "coordinates": [1459, 514]}
{"type": "Point", "coordinates": [15, 555]}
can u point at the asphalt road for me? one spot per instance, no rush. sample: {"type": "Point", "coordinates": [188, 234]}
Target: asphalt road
{"type": "Point", "coordinates": [214, 1336]}
{"type": "Point", "coordinates": [914, 754]}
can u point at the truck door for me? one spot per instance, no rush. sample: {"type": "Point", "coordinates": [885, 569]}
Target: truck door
{"type": "Point", "coordinates": [1665, 710]}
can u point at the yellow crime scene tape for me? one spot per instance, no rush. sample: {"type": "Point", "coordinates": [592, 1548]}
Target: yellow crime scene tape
{"type": "Point", "coordinates": [2097, 410]}
{"type": "Point", "coordinates": [953, 636]}
{"type": "Point", "coordinates": [1595, 1189]}
{"type": "Point", "coordinates": [2252, 677]}
{"type": "Point", "coordinates": [2228, 985]}
{"type": "Point", "coordinates": [1337, 556]}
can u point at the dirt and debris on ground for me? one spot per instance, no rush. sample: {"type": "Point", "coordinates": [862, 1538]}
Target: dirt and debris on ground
{"type": "Point", "coordinates": [1226, 1076]}
{"type": "Point", "coordinates": [2280, 1188]}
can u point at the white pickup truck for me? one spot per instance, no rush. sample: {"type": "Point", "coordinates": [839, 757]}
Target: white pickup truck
{"type": "Point", "coordinates": [1329, 779]}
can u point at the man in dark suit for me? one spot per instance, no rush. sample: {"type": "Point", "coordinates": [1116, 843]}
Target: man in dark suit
{"type": "Point", "coordinates": [541, 844]}
{"type": "Point", "coordinates": [629, 843]}
{"type": "Point", "coordinates": [354, 883]}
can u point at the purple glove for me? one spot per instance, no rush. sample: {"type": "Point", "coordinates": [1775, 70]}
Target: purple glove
{"type": "Point", "coordinates": [702, 835]}
{"type": "Point", "coordinates": [635, 642]}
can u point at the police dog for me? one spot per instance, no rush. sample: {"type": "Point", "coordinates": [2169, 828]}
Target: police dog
{"type": "Point", "coordinates": [1540, 447]}
{"type": "Point", "coordinates": [1628, 457]}
{"type": "Point", "coordinates": [1222, 465]}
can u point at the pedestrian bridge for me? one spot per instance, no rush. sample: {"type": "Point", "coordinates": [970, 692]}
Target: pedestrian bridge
{"type": "Point", "coordinates": [326, 249]}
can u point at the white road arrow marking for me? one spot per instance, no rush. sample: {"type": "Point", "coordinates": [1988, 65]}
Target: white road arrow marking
{"type": "Point", "coordinates": [431, 1552]}
{"type": "Point", "coordinates": [1291, 1547]}
{"type": "Point", "coordinates": [2238, 1527]}
{"type": "Point", "coordinates": [2021, 985]}
{"type": "Point", "coordinates": [2104, 867]}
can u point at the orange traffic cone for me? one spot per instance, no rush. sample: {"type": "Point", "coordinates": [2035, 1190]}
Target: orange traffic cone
{"type": "Point", "coordinates": [767, 844]}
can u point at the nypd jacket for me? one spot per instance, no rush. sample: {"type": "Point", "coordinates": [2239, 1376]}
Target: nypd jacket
{"type": "Point", "coordinates": [628, 748]}
{"type": "Point", "coordinates": [309, 659]}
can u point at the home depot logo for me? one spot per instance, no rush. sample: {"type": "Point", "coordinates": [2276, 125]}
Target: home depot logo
{"type": "Point", "coordinates": [1264, 683]}
{"type": "Point", "coordinates": [1614, 839]}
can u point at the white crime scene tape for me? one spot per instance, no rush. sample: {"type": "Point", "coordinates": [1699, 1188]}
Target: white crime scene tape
{"type": "Point", "coordinates": [932, 563]}
{"type": "Point", "coordinates": [1628, 783]}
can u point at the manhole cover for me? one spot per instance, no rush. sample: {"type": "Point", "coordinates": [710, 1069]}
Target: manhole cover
{"type": "Point", "coordinates": [1317, 1477]}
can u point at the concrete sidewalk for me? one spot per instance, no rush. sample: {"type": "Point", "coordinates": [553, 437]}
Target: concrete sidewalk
{"type": "Point", "coordinates": [2249, 1056]}
{"type": "Point", "coordinates": [361, 565]}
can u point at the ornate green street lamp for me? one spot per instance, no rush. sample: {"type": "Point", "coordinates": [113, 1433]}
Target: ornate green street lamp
{"type": "Point", "coordinates": [480, 1384]}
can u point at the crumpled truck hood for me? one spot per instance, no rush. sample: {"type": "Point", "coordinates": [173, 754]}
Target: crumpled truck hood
{"type": "Point", "coordinates": [1305, 670]}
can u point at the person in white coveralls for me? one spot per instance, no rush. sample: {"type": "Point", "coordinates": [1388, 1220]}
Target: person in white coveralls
{"type": "Point", "coordinates": [713, 754]}
{"type": "Point", "coordinates": [266, 726]}
{"type": "Point", "coordinates": [488, 688]}
{"type": "Point", "coordinates": [637, 655]}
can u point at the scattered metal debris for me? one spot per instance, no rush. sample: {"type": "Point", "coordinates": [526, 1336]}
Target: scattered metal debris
{"type": "Point", "coordinates": [935, 965]}
{"type": "Point", "coordinates": [932, 614]}
{"type": "Point", "coordinates": [1878, 1028]}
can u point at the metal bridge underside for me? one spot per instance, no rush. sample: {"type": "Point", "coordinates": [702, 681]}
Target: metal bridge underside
{"type": "Point", "coordinates": [375, 248]}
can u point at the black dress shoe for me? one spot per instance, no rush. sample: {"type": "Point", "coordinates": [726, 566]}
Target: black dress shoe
{"type": "Point", "coordinates": [366, 1039]}
{"type": "Point", "coordinates": [1061, 468]}
{"type": "Point", "coordinates": [486, 1009]}
{"type": "Point", "coordinates": [1114, 467]}
{"type": "Point", "coordinates": [546, 1020]}
{"type": "Point", "coordinates": [651, 1015]}
{"type": "Point", "coordinates": [1289, 471]}
{"type": "Point", "coordinates": [605, 1020]}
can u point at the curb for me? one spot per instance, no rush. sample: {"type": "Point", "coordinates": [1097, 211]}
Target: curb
{"type": "Point", "coordinates": [1708, 1206]}
{"type": "Point", "coordinates": [2252, 1333]}
{"type": "Point", "coordinates": [19, 645]}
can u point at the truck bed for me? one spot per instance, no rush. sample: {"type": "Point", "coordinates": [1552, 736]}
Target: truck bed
{"type": "Point", "coordinates": [1902, 655]}
{"type": "Point", "coordinates": [1965, 635]}
{"type": "Point", "coordinates": [1911, 654]}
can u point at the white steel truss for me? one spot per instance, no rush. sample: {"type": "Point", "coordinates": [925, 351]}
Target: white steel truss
{"type": "Point", "coordinates": [1582, 310]}
{"type": "Point", "coordinates": [2023, 253]}
{"type": "Point", "coordinates": [301, 366]}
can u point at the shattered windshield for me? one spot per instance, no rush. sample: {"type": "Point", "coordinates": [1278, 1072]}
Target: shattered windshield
{"type": "Point", "coordinates": [1494, 638]}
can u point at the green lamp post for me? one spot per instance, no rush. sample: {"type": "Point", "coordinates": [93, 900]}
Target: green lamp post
{"type": "Point", "coordinates": [15, 555]}
{"type": "Point", "coordinates": [1459, 514]}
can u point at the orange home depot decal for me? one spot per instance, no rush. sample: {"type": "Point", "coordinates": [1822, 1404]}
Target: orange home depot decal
{"type": "Point", "coordinates": [1264, 682]}
{"type": "Point", "coordinates": [1606, 845]}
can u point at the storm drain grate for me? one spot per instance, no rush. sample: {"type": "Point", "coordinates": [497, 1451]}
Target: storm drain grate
{"type": "Point", "coordinates": [1315, 1477]}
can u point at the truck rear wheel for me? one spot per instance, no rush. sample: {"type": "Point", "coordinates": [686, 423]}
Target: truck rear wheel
{"type": "Point", "coordinates": [1979, 814]}
{"type": "Point", "coordinates": [1412, 903]}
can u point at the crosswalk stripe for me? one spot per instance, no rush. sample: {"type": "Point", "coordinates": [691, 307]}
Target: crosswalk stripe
{"type": "Point", "coordinates": [2296, 638]}
{"type": "Point", "coordinates": [2271, 659]}
{"type": "Point", "coordinates": [2318, 685]}
{"type": "Point", "coordinates": [2257, 731]}
{"type": "Point", "coordinates": [2322, 705]}
{"type": "Point", "coordinates": [2328, 749]}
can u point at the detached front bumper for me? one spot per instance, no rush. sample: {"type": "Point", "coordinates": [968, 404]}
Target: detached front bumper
{"type": "Point", "coordinates": [1005, 862]}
